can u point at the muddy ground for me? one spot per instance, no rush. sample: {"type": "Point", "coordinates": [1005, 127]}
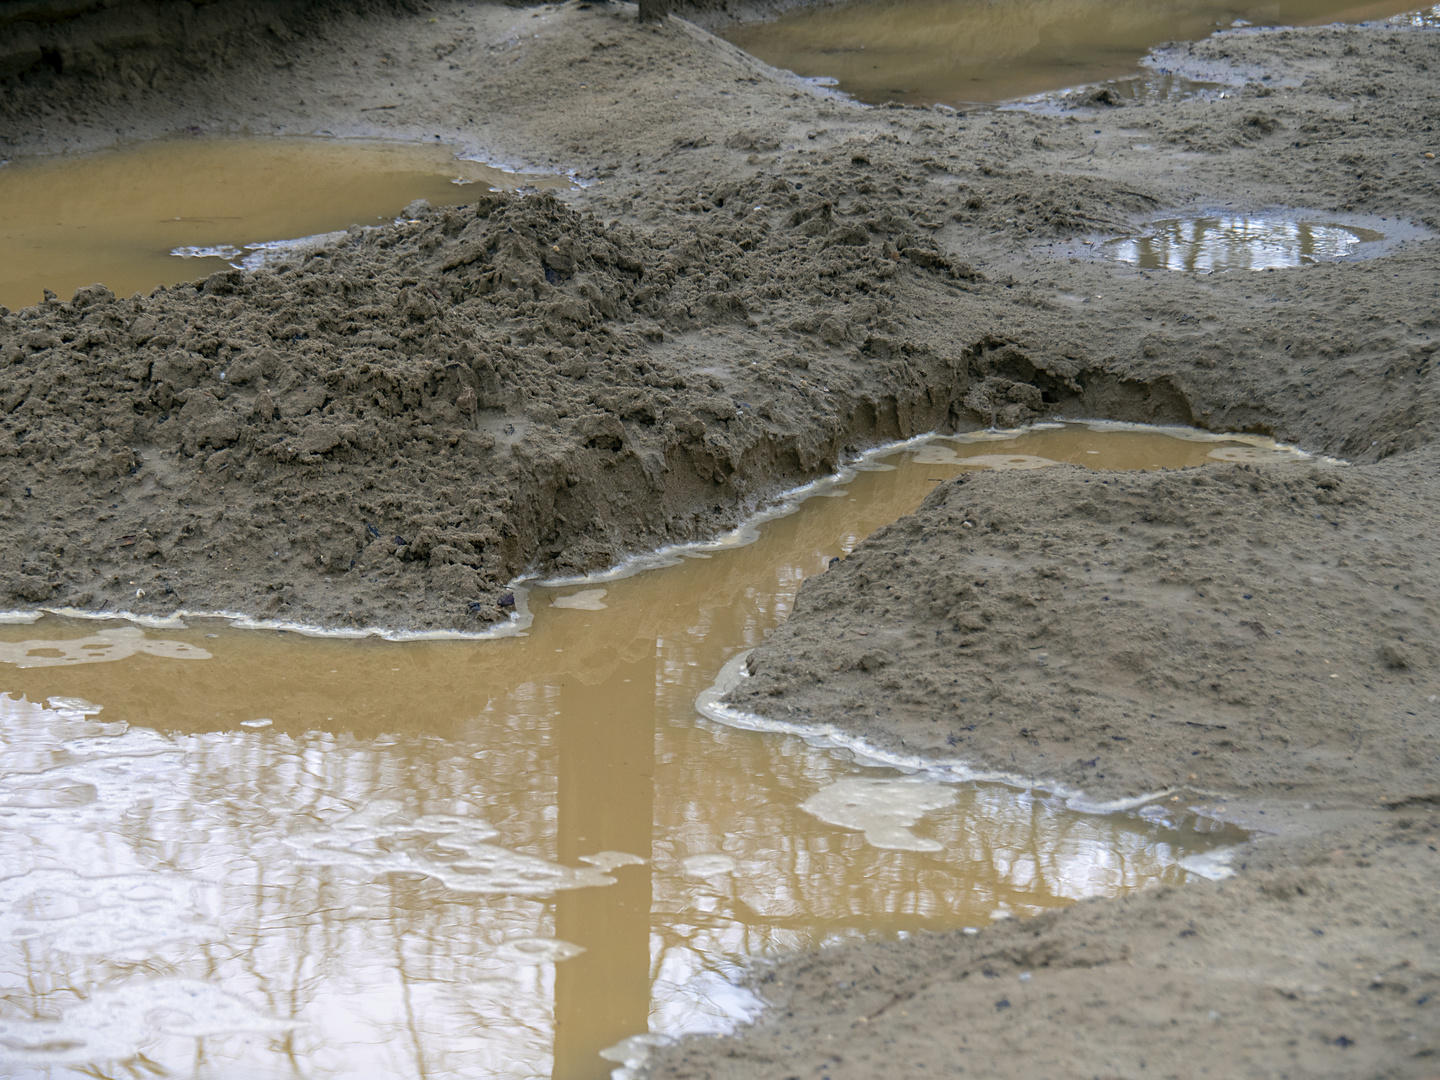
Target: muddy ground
{"type": "Point", "coordinates": [755, 279]}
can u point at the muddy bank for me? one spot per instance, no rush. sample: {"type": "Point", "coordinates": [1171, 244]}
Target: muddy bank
{"type": "Point", "coordinates": [143, 44]}
{"type": "Point", "coordinates": [1252, 642]}
{"type": "Point", "coordinates": [757, 278]}
{"type": "Point", "coordinates": [390, 429]}
{"type": "Point", "coordinates": [1319, 959]}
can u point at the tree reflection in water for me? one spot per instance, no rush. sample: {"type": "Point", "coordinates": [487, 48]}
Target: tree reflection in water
{"type": "Point", "coordinates": [377, 883]}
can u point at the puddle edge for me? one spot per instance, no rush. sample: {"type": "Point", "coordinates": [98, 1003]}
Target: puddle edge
{"type": "Point", "coordinates": [743, 534]}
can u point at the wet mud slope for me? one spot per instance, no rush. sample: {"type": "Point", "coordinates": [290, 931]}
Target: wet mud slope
{"type": "Point", "coordinates": [90, 49]}
{"type": "Point", "coordinates": [1234, 629]}
{"type": "Point", "coordinates": [391, 428]}
{"type": "Point", "coordinates": [752, 280]}
{"type": "Point", "coordinates": [1252, 643]}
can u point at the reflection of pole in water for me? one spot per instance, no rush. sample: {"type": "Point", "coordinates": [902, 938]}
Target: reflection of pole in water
{"type": "Point", "coordinates": [606, 736]}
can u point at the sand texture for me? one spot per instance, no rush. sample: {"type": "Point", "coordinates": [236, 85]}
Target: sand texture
{"type": "Point", "coordinates": [753, 279]}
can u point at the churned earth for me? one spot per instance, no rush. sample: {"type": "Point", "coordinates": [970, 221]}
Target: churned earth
{"type": "Point", "coordinates": [752, 279]}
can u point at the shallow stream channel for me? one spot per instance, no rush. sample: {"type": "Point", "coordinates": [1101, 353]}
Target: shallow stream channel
{"type": "Point", "coordinates": [235, 852]}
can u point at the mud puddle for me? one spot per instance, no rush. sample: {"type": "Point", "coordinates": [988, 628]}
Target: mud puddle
{"type": "Point", "coordinates": [164, 212]}
{"type": "Point", "coordinates": [1099, 445]}
{"type": "Point", "coordinates": [1241, 243]}
{"type": "Point", "coordinates": [968, 52]}
{"type": "Point", "coordinates": [263, 854]}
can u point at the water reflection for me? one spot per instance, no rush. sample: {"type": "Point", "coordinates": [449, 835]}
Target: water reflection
{"type": "Point", "coordinates": [1238, 243]}
{"type": "Point", "coordinates": [1425, 17]}
{"type": "Point", "coordinates": [960, 52]}
{"type": "Point", "coordinates": [456, 859]}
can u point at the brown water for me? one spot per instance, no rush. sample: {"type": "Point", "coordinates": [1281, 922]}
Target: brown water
{"type": "Point", "coordinates": [1238, 243]}
{"type": "Point", "coordinates": [960, 52]}
{"type": "Point", "coordinates": [118, 216]}
{"type": "Point", "coordinates": [244, 854]}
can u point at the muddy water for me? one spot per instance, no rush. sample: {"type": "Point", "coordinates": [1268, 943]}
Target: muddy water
{"type": "Point", "coordinates": [119, 217]}
{"type": "Point", "coordinates": [241, 854]}
{"type": "Point", "coordinates": [960, 52]}
{"type": "Point", "coordinates": [1239, 243]}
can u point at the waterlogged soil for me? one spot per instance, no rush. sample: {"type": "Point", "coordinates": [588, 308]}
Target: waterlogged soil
{"type": "Point", "coordinates": [524, 851]}
{"type": "Point", "coordinates": [925, 52]}
{"type": "Point", "coordinates": [163, 212]}
{"type": "Point", "coordinates": [757, 278]}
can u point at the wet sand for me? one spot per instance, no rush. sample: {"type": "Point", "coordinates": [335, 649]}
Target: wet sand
{"type": "Point", "coordinates": [758, 279]}
{"type": "Point", "coordinates": [525, 850]}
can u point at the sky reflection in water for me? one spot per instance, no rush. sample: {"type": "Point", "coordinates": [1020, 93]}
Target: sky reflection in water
{"type": "Point", "coordinates": [412, 872]}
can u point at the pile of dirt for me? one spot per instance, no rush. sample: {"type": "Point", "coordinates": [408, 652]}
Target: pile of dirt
{"type": "Point", "coordinates": [1233, 630]}
{"type": "Point", "coordinates": [396, 423]}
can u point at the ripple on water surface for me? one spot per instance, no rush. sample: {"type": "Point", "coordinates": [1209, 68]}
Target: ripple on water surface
{"type": "Point", "coordinates": [492, 858]}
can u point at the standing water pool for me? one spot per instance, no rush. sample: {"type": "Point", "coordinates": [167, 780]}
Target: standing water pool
{"type": "Point", "coordinates": [232, 853]}
{"type": "Point", "coordinates": [163, 212]}
{"type": "Point", "coordinates": [968, 52]}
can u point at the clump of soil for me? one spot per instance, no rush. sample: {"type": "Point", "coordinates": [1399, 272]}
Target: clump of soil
{"type": "Point", "coordinates": [394, 425]}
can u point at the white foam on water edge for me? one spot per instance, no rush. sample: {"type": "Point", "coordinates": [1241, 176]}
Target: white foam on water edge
{"type": "Point", "coordinates": [708, 865]}
{"type": "Point", "coordinates": [747, 532]}
{"type": "Point", "coordinates": [710, 705]}
{"type": "Point", "coordinates": [606, 861]}
{"type": "Point", "coordinates": [884, 810]}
